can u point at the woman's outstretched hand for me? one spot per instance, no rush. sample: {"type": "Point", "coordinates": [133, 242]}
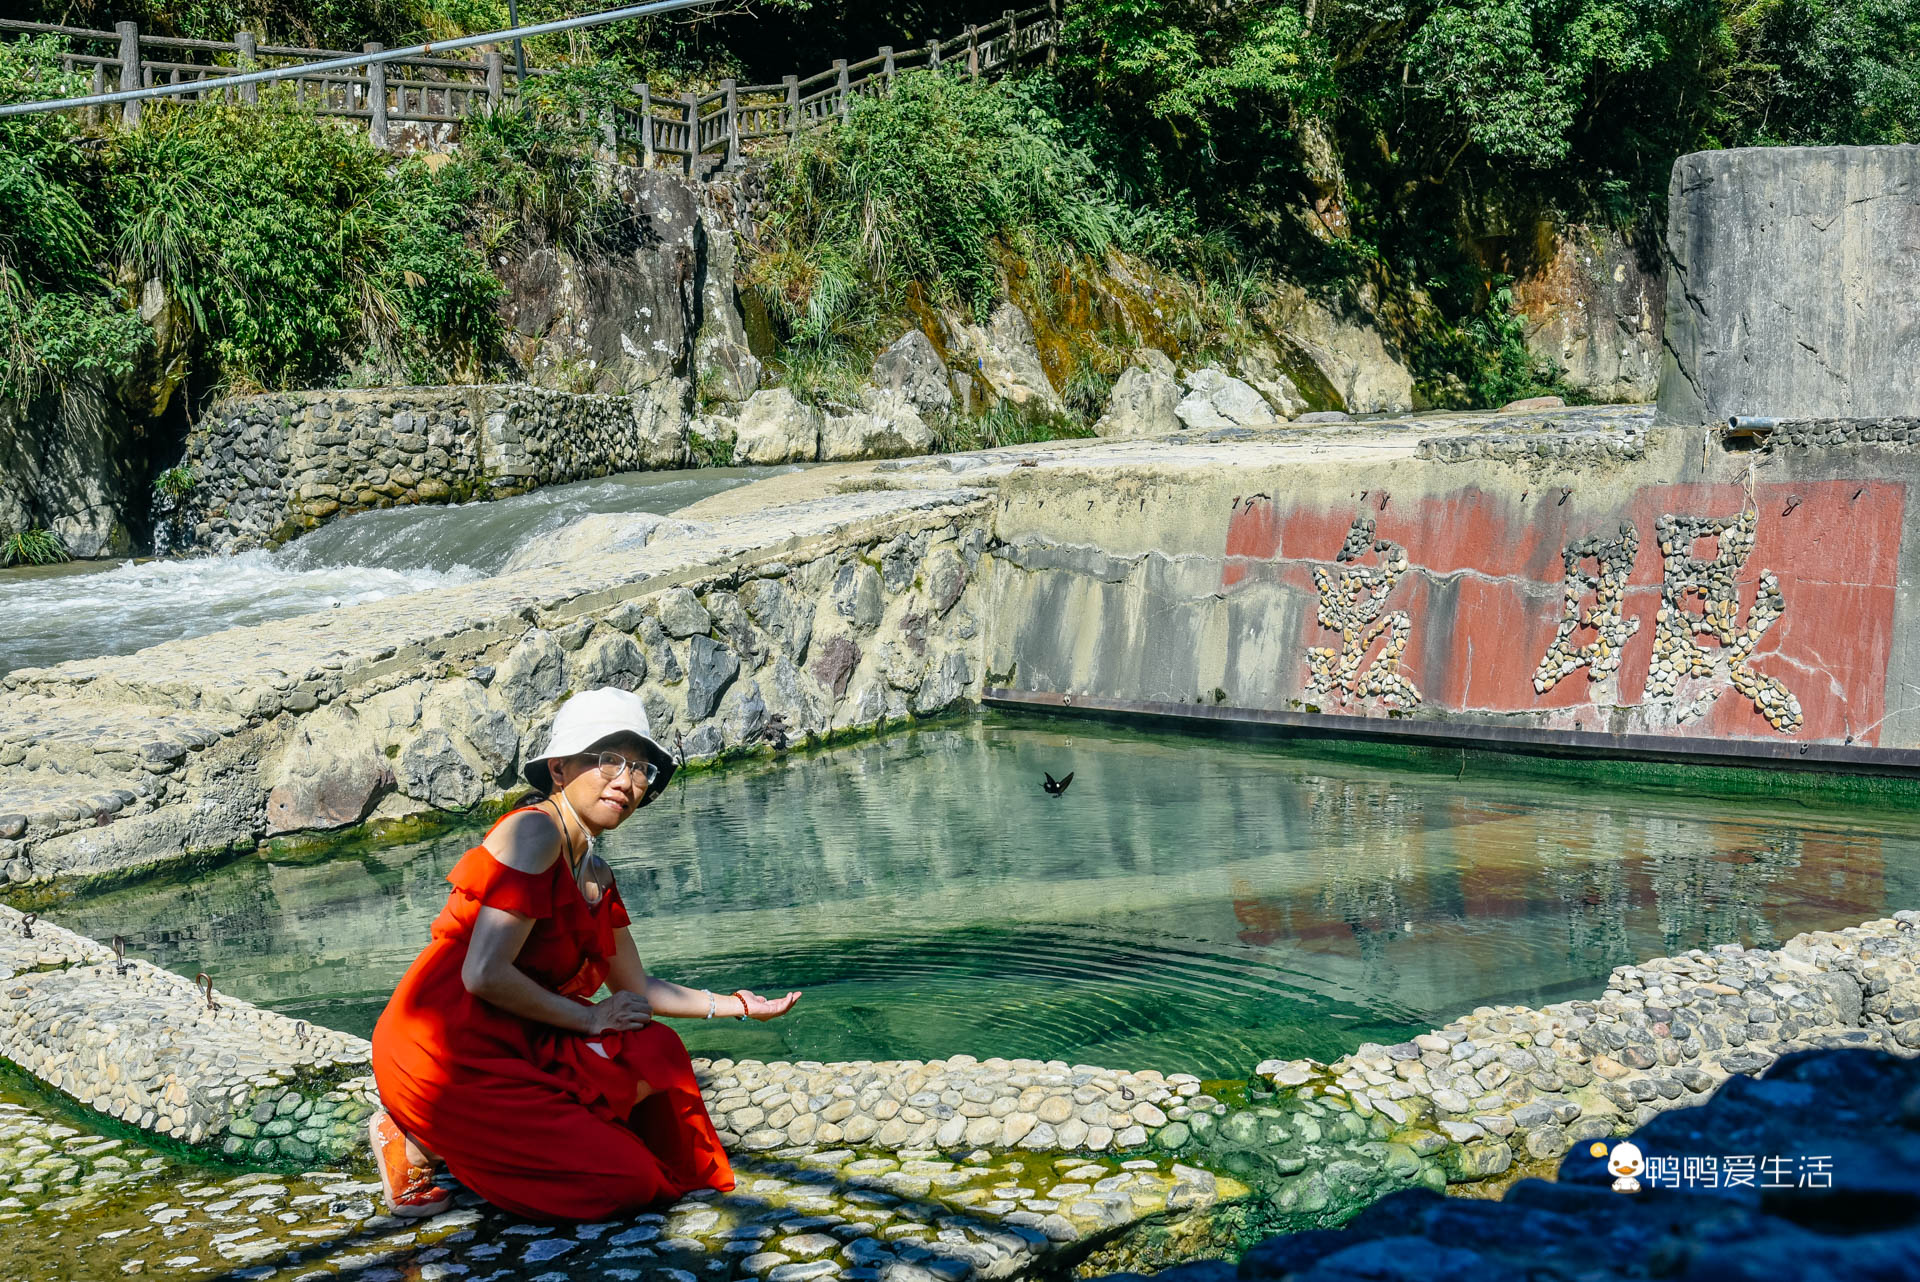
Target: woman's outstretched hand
{"type": "Point", "coordinates": [759, 1007]}
{"type": "Point", "coordinates": [620, 1013]}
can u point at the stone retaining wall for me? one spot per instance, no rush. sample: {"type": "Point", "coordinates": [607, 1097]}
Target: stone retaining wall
{"type": "Point", "coordinates": [268, 468]}
{"type": "Point", "coordinates": [753, 632]}
{"type": "Point", "coordinates": [141, 1045]}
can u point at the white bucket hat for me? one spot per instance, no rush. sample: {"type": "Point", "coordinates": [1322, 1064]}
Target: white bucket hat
{"type": "Point", "coordinates": [595, 719]}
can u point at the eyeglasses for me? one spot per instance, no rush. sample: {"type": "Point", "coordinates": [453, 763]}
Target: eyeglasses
{"type": "Point", "coordinates": [612, 765]}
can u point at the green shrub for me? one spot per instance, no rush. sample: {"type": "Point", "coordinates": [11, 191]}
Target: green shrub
{"type": "Point", "coordinates": [32, 547]}
{"type": "Point", "coordinates": [176, 483]}
{"type": "Point", "coordinates": [59, 316]}
{"type": "Point", "coordinates": [925, 184]}
{"type": "Point", "coordinates": [296, 250]}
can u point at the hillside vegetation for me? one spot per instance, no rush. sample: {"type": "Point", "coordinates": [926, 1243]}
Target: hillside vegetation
{"type": "Point", "coordinates": [1368, 146]}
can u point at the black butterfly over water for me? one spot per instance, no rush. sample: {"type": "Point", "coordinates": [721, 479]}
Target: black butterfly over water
{"type": "Point", "coordinates": [1054, 786]}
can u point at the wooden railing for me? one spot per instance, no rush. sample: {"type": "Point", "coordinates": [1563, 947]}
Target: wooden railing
{"type": "Point", "coordinates": [718, 129]}
{"type": "Point", "coordinates": [698, 132]}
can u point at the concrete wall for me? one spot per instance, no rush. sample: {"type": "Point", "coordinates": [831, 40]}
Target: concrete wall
{"type": "Point", "coordinates": [1542, 580]}
{"type": "Point", "coordinates": [1793, 288]}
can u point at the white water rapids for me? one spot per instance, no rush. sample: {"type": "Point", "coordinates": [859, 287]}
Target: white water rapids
{"type": "Point", "coordinates": [74, 612]}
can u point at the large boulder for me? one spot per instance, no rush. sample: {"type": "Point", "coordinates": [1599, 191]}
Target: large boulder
{"type": "Point", "coordinates": [1006, 360]}
{"type": "Point", "coordinates": [776, 427]}
{"type": "Point", "coordinates": [911, 369]}
{"type": "Point", "coordinates": [328, 776]}
{"type": "Point", "coordinates": [619, 322]}
{"type": "Point", "coordinates": [888, 429]}
{"type": "Point", "coordinates": [660, 422]}
{"type": "Point", "coordinates": [1260, 368]}
{"type": "Point", "coordinates": [1230, 399]}
{"type": "Point", "coordinates": [1793, 284]}
{"type": "Point", "coordinates": [1141, 404]}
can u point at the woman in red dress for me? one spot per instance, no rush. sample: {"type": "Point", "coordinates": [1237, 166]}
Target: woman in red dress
{"type": "Point", "coordinates": [492, 1057]}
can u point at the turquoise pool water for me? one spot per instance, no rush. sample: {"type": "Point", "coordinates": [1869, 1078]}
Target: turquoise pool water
{"type": "Point", "coordinates": [1189, 904]}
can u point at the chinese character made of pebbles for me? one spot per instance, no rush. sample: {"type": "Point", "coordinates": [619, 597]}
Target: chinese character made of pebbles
{"type": "Point", "coordinates": [1613, 563]}
{"type": "Point", "coordinates": [1351, 606]}
{"type": "Point", "coordinates": [1712, 581]}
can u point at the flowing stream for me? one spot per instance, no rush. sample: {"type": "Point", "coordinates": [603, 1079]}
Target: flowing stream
{"type": "Point", "coordinates": [49, 615]}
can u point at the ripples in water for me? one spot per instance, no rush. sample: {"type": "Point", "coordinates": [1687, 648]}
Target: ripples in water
{"type": "Point", "coordinates": [1189, 905]}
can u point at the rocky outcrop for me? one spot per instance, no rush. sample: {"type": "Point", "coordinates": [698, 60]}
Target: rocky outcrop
{"type": "Point", "coordinates": [1143, 402]}
{"type": "Point", "coordinates": [1215, 399]}
{"type": "Point", "coordinates": [726, 370]}
{"type": "Point", "coordinates": [1344, 348]}
{"type": "Point", "coordinates": [614, 321]}
{"type": "Point", "coordinates": [1593, 305]}
{"type": "Point", "coordinates": [1005, 359]}
{"type": "Point", "coordinates": [72, 463]}
{"type": "Point", "coordinates": [888, 428]}
{"type": "Point", "coordinates": [1792, 284]}
{"type": "Point", "coordinates": [911, 369]}
{"type": "Point", "coordinates": [775, 426]}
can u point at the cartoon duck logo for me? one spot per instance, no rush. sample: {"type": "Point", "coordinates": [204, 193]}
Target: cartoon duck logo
{"type": "Point", "coordinates": [1625, 1162]}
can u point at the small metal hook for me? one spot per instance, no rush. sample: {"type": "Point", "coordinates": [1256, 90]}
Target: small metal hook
{"type": "Point", "coordinates": [206, 982]}
{"type": "Point", "coordinates": [1793, 501]}
{"type": "Point", "coordinates": [26, 924]}
{"type": "Point", "coordinates": [1384, 496]}
{"type": "Point", "coordinates": [1564, 496]}
{"type": "Point", "coordinates": [300, 1030]}
{"type": "Point", "coordinates": [119, 955]}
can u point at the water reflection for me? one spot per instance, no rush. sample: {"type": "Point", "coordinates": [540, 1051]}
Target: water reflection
{"type": "Point", "coordinates": [1188, 905]}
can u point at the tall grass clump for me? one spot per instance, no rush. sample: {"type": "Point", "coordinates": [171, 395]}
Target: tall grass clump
{"type": "Point", "coordinates": [59, 315]}
{"type": "Point", "coordinates": [297, 250]}
{"type": "Point", "coordinates": [934, 182]}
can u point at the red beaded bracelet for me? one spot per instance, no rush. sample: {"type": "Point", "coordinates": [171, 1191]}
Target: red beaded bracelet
{"type": "Point", "coordinates": [741, 993]}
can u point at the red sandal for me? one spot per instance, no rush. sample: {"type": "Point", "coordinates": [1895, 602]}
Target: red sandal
{"type": "Point", "coordinates": [410, 1190]}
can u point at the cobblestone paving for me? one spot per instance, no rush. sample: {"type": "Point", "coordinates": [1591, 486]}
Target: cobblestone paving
{"type": "Point", "coordinates": [76, 1204]}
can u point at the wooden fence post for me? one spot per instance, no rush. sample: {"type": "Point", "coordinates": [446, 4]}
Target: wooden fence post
{"type": "Point", "coordinates": [886, 64]}
{"type": "Point", "coordinates": [129, 33]}
{"type": "Point", "coordinates": [693, 132]}
{"type": "Point", "coordinates": [645, 91]}
{"type": "Point", "coordinates": [841, 95]}
{"type": "Point", "coordinates": [609, 140]}
{"type": "Point", "coordinates": [376, 96]}
{"type": "Point", "coordinates": [1053, 30]}
{"type": "Point", "coordinates": [496, 79]}
{"type": "Point", "coordinates": [973, 52]}
{"type": "Point", "coordinates": [933, 54]}
{"type": "Point", "coordinates": [249, 60]}
{"type": "Point", "coordinates": [793, 106]}
{"type": "Point", "coordinates": [733, 122]}
{"type": "Point", "coordinates": [1012, 49]}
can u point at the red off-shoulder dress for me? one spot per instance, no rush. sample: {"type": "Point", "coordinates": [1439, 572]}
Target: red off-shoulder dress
{"type": "Point", "coordinates": [528, 1115]}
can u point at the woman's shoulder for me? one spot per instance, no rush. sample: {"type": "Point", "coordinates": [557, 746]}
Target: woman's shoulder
{"type": "Point", "coordinates": [526, 840]}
